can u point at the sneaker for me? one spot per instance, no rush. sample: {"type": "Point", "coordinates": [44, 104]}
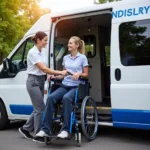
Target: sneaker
{"type": "Point", "coordinates": [25, 133]}
{"type": "Point", "coordinates": [41, 134]}
{"type": "Point", "coordinates": [63, 134]}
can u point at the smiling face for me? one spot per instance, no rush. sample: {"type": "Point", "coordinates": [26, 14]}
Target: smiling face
{"type": "Point", "coordinates": [42, 43]}
{"type": "Point", "coordinates": [72, 46]}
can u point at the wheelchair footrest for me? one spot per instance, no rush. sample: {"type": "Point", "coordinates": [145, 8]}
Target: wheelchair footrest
{"type": "Point", "coordinates": [51, 136]}
{"type": "Point", "coordinates": [55, 136]}
{"type": "Point", "coordinates": [68, 138]}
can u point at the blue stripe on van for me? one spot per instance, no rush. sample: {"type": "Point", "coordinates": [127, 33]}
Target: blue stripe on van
{"type": "Point", "coordinates": [130, 125]}
{"type": "Point", "coordinates": [21, 109]}
{"type": "Point", "coordinates": [131, 118]}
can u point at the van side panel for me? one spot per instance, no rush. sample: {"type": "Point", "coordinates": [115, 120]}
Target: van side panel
{"type": "Point", "coordinates": [129, 95]}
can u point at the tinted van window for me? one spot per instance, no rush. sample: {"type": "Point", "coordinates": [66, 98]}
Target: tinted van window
{"type": "Point", "coordinates": [134, 38]}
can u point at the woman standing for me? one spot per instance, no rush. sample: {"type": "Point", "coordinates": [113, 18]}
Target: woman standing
{"type": "Point", "coordinates": [77, 64]}
{"type": "Point", "coordinates": [36, 62]}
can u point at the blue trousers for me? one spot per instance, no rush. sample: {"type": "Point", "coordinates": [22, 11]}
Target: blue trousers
{"type": "Point", "coordinates": [67, 95]}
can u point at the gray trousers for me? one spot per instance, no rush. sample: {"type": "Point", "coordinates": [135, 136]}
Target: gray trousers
{"type": "Point", "coordinates": [35, 88]}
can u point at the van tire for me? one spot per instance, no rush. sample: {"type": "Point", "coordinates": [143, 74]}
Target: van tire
{"type": "Point", "coordinates": [4, 121]}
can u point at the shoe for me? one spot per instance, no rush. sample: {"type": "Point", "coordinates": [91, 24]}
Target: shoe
{"type": "Point", "coordinates": [39, 139]}
{"type": "Point", "coordinates": [41, 134]}
{"type": "Point", "coordinates": [25, 133]}
{"type": "Point", "coordinates": [63, 135]}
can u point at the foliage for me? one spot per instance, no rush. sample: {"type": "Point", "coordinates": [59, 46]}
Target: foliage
{"type": "Point", "coordinates": [16, 17]}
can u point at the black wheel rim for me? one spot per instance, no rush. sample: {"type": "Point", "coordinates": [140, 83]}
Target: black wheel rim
{"type": "Point", "coordinates": [90, 118]}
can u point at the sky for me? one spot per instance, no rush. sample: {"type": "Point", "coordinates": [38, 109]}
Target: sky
{"type": "Point", "coordinates": [59, 5]}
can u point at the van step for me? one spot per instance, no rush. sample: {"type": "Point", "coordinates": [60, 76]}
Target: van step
{"type": "Point", "coordinates": [104, 117]}
{"type": "Point", "coordinates": [105, 103]}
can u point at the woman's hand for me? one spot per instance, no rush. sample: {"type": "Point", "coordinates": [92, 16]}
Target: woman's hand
{"type": "Point", "coordinates": [64, 72]}
{"type": "Point", "coordinates": [76, 76]}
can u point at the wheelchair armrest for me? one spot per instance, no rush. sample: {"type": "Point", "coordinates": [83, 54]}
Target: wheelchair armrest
{"type": "Point", "coordinates": [56, 80]}
{"type": "Point", "coordinates": [82, 91]}
{"type": "Point", "coordinates": [54, 86]}
{"type": "Point", "coordinates": [84, 79]}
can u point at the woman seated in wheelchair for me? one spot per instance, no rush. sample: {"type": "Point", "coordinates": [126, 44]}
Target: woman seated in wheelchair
{"type": "Point", "coordinates": [76, 63]}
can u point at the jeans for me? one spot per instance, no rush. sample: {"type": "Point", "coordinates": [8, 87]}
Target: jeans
{"type": "Point", "coordinates": [67, 95]}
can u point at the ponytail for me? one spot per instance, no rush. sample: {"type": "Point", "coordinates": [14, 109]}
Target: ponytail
{"type": "Point", "coordinates": [82, 47]}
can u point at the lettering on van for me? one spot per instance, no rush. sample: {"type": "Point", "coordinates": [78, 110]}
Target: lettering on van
{"type": "Point", "coordinates": [131, 12]}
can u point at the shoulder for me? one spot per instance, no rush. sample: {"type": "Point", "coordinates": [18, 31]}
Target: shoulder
{"type": "Point", "coordinates": [32, 52]}
{"type": "Point", "coordinates": [66, 56]}
{"type": "Point", "coordinates": [83, 56]}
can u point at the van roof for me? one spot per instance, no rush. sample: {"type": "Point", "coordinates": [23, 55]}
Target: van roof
{"type": "Point", "coordinates": [94, 7]}
{"type": "Point", "coordinates": [43, 24]}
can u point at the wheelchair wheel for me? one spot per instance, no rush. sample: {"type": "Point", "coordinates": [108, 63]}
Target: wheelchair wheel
{"type": "Point", "coordinates": [89, 118]}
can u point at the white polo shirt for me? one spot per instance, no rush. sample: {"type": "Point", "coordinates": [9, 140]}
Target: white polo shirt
{"type": "Point", "coordinates": [35, 56]}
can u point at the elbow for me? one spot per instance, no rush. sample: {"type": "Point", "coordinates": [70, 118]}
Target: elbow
{"type": "Point", "coordinates": [44, 70]}
{"type": "Point", "coordinates": [87, 76]}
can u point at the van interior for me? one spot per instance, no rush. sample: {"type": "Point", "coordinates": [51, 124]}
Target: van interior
{"type": "Point", "coordinates": [95, 30]}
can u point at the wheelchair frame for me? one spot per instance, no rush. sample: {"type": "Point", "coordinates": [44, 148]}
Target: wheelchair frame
{"type": "Point", "coordinates": [81, 101]}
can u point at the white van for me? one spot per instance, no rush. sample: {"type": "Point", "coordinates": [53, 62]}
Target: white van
{"type": "Point", "coordinates": [117, 39]}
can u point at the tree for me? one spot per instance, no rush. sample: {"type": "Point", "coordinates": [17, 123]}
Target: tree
{"type": "Point", "coordinates": [16, 17]}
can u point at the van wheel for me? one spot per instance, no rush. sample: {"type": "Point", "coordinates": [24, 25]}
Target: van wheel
{"type": "Point", "coordinates": [3, 117]}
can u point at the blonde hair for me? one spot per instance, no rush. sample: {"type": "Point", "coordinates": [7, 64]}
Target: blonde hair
{"type": "Point", "coordinates": [79, 42]}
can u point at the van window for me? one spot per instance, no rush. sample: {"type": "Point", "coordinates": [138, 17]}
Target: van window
{"type": "Point", "coordinates": [90, 45]}
{"type": "Point", "coordinates": [134, 38]}
{"type": "Point", "coordinates": [18, 61]}
{"type": "Point", "coordinates": [60, 51]}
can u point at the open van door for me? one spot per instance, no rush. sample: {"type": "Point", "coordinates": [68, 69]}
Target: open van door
{"type": "Point", "coordinates": [130, 65]}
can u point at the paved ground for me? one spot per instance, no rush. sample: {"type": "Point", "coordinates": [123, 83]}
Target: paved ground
{"type": "Point", "coordinates": [108, 139]}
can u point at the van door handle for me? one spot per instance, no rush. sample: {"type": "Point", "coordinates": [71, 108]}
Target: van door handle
{"type": "Point", "coordinates": [118, 74]}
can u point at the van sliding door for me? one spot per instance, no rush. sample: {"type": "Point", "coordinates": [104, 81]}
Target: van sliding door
{"type": "Point", "coordinates": [130, 66]}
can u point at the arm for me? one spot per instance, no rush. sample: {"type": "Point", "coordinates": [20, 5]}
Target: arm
{"type": "Point", "coordinates": [34, 58]}
{"type": "Point", "coordinates": [47, 70]}
{"type": "Point", "coordinates": [60, 77]}
{"type": "Point", "coordinates": [84, 74]}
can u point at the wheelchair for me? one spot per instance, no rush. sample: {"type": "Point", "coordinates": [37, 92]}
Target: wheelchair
{"type": "Point", "coordinates": [84, 113]}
